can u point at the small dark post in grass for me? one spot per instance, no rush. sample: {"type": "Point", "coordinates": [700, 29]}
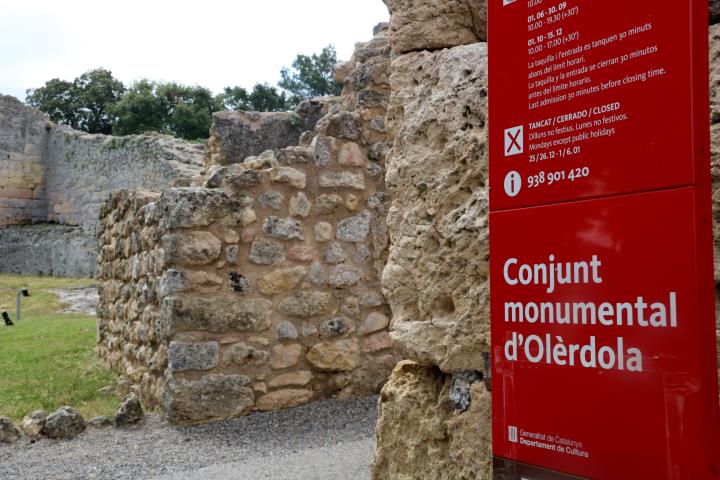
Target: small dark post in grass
{"type": "Point", "coordinates": [6, 317]}
{"type": "Point", "coordinates": [23, 292]}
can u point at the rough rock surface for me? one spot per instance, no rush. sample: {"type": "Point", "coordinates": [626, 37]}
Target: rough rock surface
{"type": "Point", "coordinates": [714, 11]}
{"type": "Point", "coordinates": [65, 422]}
{"type": "Point", "coordinates": [436, 278]}
{"type": "Point", "coordinates": [424, 436]}
{"type": "Point", "coordinates": [44, 249]}
{"type": "Point", "coordinates": [9, 433]}
{"type": "Point", "coordinates": [432, 24]}
{"type": "Point", "coordinates": [236, 135]}
{"type": "Point", "coordinates": [33, 423]}
{"type": "Point", "coordinates": [130, 411]}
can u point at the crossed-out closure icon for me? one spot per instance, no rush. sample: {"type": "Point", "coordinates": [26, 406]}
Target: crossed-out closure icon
{"type": "Point", "coordinates": [514, 141]}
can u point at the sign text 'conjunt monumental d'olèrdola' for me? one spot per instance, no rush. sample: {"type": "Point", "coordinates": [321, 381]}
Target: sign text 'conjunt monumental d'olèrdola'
{"type": "Point", "coordinates": [602, 302]}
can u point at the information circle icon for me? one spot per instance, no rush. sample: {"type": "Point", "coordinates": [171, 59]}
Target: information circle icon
{"type": "Point", "coordinates": [513, 184]}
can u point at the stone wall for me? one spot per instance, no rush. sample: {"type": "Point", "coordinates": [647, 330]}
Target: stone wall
{"type": "Point", "coordinates": [435, 420]}
{"type": "Point", "coordinates": [22, 171]}
{"type": "Point", "coordinates": [258, 288]}
{"type": "Point", "coordinates": [52, 174]}
{"type": "Point", "coordinates": [45, 249]}
{"type": "Point", "coordinates": [236, 135]}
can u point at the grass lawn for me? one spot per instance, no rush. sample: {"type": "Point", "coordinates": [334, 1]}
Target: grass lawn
{"type": "Point", "coordinates": [47, 359]}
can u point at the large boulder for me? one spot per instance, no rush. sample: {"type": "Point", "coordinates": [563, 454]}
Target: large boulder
{"type": "Point", "coordinates": [65, 422]}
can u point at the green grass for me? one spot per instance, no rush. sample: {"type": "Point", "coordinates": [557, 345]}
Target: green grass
{"type": "Point", "coordinates": [47, 359]}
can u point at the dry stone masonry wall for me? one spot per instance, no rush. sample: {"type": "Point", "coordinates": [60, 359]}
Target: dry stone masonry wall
{"type": "Point", "coordinates": [258, 287]}
{"type": "Point", "coordinates": [435, 420]}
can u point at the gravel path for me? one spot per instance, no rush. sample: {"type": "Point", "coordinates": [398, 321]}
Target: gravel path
{"type": "Point", "coordinates": [326, 440]}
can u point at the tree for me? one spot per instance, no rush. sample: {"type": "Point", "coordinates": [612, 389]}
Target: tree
{"type": "Point", "coordinates": [57, 100]}
{"type": "Point", "coordinates": [311, 76]}
{"type": "Point", "coordinates": [190, 110]}
{"type": "Point", "coordinates": [140, 110]}
{"type": "Point", "coordinates": [83, 104]}
{"type": "Point", "coordinates": [170, 108]}
{"type": "Point", "coordinates": [263, 98]}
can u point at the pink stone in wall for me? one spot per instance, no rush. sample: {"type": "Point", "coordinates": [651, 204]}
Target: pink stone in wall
{"type": "Point", "coordinates": [351, 155]}
{"type": "Point", "coordinates": [301, 253]}
{"type": "Point", "coordinates": [377, 342]}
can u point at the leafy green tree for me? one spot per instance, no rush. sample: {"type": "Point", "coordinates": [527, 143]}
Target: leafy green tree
{"type": "Point", "coordinates": [96, 90]}
{"type": "Point", "coordinates": [57, 100]}
{"type": "Point", "coordinates": [263, 98]}
{"type": "Point", "coordinates": [190, 109]}
{"type": "Point", "coordinates": [83, 103]}
{"type": "Point", "coordinates": [140, 110]}
{"type": "Point", "coordinates": [311, 76]}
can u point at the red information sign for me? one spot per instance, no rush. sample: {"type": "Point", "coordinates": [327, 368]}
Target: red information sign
{"type": "Point", "coordinates": [602, 302]}
{"type": "Point", "coordinates": [594, 98]}
{"type": "Point", "coordinates": [604, 337]}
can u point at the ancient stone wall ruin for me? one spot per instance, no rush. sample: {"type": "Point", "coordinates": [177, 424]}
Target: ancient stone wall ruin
{"type": "Point", "coordinates": [435, 420]}
{"type": "Point", "coordinates": [53, 175]}
{"type": "Point", "coordinates": [258, 288]}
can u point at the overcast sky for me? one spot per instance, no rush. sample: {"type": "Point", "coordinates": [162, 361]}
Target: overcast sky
{"type": "Point", "coordinates": [212, 43]}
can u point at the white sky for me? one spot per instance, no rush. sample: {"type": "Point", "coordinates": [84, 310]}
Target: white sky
{"type": "Point", "coordinates": [212, 43]}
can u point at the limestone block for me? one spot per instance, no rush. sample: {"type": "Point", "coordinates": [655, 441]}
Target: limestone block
{"type": "Point", "coordinates": [300, 206]}
{"type": "Point", "coordinates": [217, 315]}
{"type": "Point", "coordinates": [271, 199]}
{"type": "Point", "coordinates": [344, 276]}
{"type": "Point", "coordinates": [342, 180]}
{"type": "Point", "coordinates": [322, 150]}
{"type": "Point", "coordinates": [290, 176]}
{"type": "Point", "coordinates": [284, 228]}
{"type": "Point", "coordinates": [241, 354]}
{"type": "Point", "coordinates": [306, 304]}
{"type": "Point", "coordinates": [266, 252]}
{"type": "Point", "coordinates": [293, 379]}
{"type": "Point", "coordinates": [432, 25]}
{"type": "Point", "coordinates": [374, 322]}
{"type": "Point", "coordinates": [281, 399]}
{"type": "Point", "coordinates": [212, 397]}
{"type": "Point", "coordinates": [191, 248]}
{"type": "Point", "coordinates": [193, 356]}
{"type": "Point", "coordinates": [280, 281]}
{"type": "Point", "coordinates": [323, 232]}
{"type": "Point", "coordinates": [327, 204]}
{"type": "Point", "coordinates": [338, 356]}
{"type": "Point", "coordinates": [354, 229]}
{"type": "Point", "coordinates": [285, 356]}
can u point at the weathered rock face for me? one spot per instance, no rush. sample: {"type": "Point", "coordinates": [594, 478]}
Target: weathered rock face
{"type": "Point", "coordinates": [436, 276]}
{"type": "Point", "coordinates": [9, 433]}
{"type": "Point", "coordinates": [130, 411]}
{"type": "Point", "coordinates": [432, 24]}
{"type": "Point", "coordinates": [236, 135]}
{"type": "Point", "coordinates": [244, 291]}
{"type": "Point", "coordinates": [430, 438]}
{"type": "Point", "coordinates": [714, 11]}
{"type": "Point", "coordinates": [33, 423]}
{"type": "Point", "coordinates": [65, 422]}
{"type": "Point", "coordinates": [47, 250]}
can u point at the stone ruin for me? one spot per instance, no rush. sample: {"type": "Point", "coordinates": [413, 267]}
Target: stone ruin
{"type": "Point", "coordinates": [53, 179]}
{"type": "Point", "coordinates": [257, 287]}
